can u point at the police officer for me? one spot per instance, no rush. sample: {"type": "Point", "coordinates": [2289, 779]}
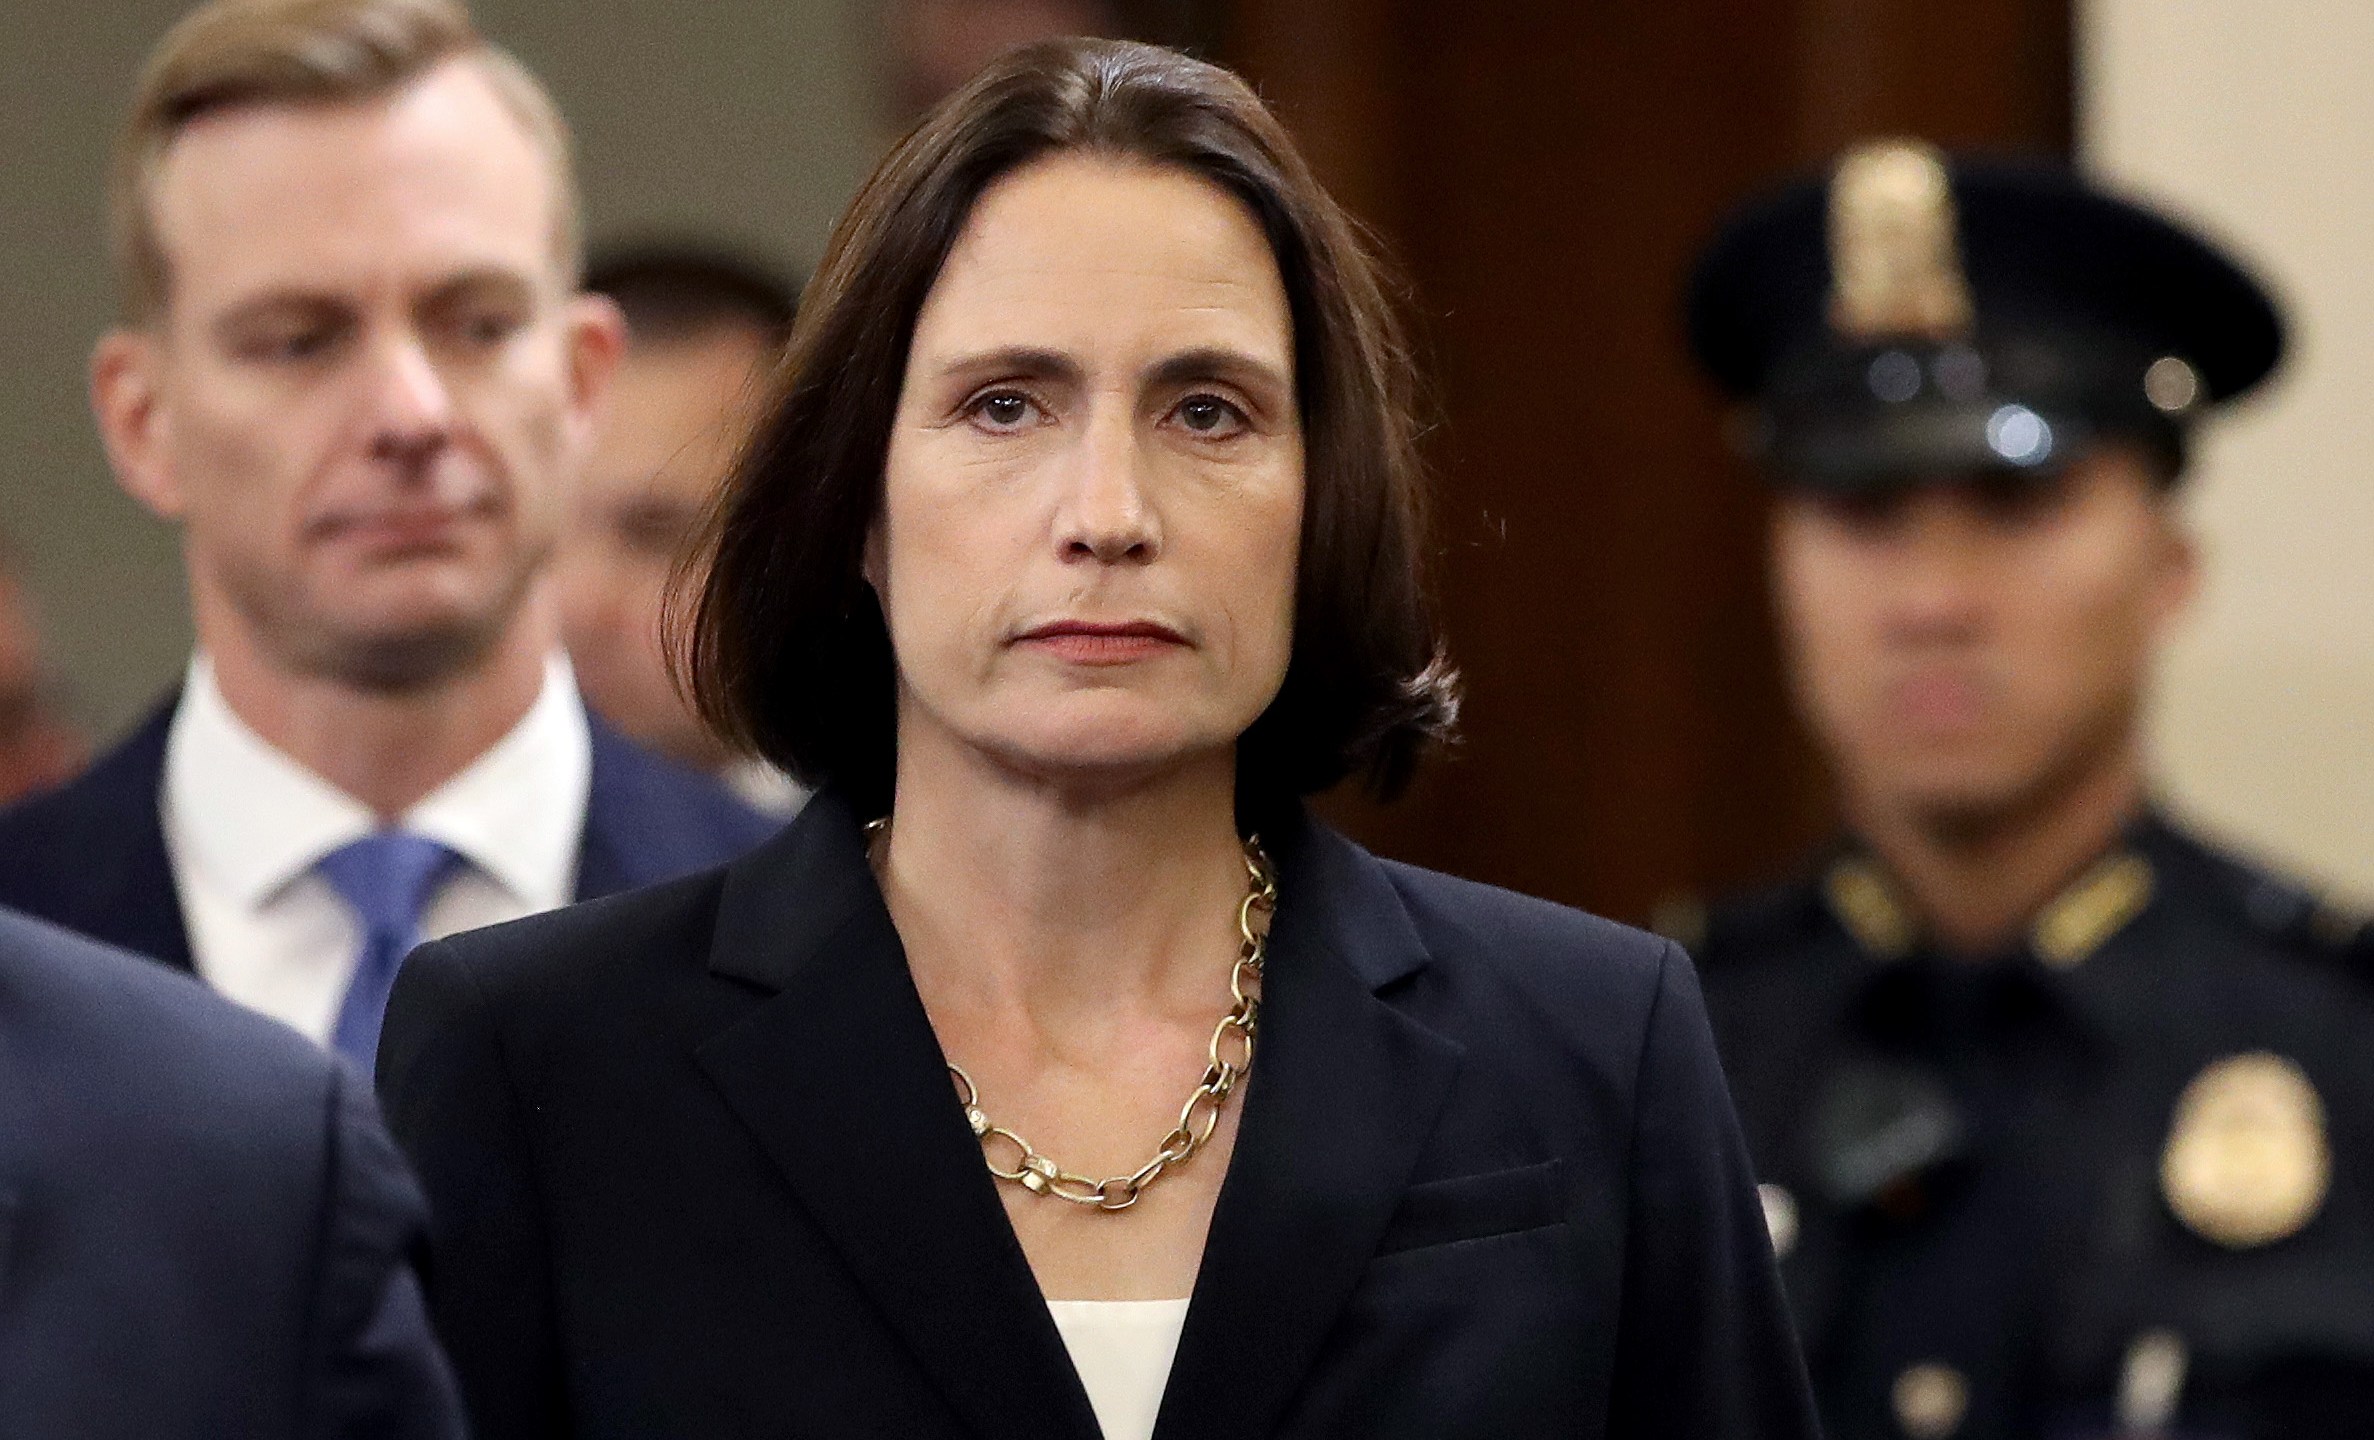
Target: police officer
{"type": "Point", "coordinates": [2065, 1120]}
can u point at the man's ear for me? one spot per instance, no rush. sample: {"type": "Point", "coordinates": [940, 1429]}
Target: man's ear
{"type": "Point", "coordinates": [595, 332]}
{"type": "Point", "coordinates": [2180, 563]}
{"type": "Point", "coordinates": [127, 400]}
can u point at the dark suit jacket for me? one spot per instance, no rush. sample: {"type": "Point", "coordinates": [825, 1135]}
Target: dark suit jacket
{"type": "Point", "coordinates": [204, 1231]}
{"type": "Point", "coordinates": [698, 1171]}
{"type": "Point", "coordinates": [90, 855]}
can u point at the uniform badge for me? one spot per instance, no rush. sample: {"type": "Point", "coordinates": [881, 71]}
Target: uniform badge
{"type": "Point", "coordinates": [2247, 1163]}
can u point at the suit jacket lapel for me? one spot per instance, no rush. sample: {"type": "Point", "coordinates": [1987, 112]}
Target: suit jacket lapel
{"type": "Point", "coordinates": [841, 1079]}
{"type": "Point", "coordinates": [605, 857]}
{"type": "Point", "coordinates": [114, 879]}
{"type": "Point", "coordinates": [8, 1209]}
{"type": "Point", "coordinates": [1343, 1095]}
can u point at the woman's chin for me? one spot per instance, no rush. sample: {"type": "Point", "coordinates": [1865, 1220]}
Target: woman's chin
{"type": "Point", "coordinates": [1106, 756]}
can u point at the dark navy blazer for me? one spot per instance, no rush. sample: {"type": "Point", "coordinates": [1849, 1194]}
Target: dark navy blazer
{"type": "Point", "coordinates": [698, 1170]}
{"type": "Point", "coordinates": [90, 855]}
{"type": "Point", "coordinates": [204, 1229]}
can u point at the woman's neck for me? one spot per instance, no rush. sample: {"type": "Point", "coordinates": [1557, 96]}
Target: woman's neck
{"type": "Point", "coordinates": [1043, 901]}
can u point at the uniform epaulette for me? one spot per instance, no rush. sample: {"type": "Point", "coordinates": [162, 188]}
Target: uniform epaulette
{"type": "Point", "coordinates": [2281, 910]}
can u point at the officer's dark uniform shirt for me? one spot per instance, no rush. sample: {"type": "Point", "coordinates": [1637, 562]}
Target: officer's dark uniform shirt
{"type": "Point", "coordinates": [2118, 1181]}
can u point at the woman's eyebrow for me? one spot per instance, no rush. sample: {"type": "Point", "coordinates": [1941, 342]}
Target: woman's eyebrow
{"type": "Point", "coordinates": [1032, 361]}
{"type": "Point", "coordinates": [1216, 362]}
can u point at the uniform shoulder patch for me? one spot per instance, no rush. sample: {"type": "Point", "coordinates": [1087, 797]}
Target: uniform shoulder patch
{"type": "Point", "coordinates": [2276, 908]}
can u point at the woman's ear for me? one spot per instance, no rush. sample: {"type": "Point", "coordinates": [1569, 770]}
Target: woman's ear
{"type": "Point", "coordinates": [874, 565]}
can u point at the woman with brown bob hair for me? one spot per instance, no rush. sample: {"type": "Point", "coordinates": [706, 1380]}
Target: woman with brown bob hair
{"type": "Point", "coordinates": [1082, 541]}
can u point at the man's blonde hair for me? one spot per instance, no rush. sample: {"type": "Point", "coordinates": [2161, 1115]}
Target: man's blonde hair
{"type": "Point", "coordinates": [233, 53]}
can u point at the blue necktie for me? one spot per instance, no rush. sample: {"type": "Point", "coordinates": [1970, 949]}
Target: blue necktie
{"type": "Point", "coordinates": [387, 878]}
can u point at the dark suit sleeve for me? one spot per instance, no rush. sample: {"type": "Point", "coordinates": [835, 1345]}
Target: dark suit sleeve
{"type": "Point", "coordinates": [1705, 1346]}
{"type": "Point", "coordinates": [374, 1367]}
{"type": "Point", "coordinates": [452, 1105]}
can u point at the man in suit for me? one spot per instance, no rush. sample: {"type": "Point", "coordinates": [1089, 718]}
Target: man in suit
{"type": "Point", "coordinates": [2062, 1116]}
{"type": "Point", "coordinates": [703, 330]}
{"type": "Point", "coordinates": [355, 369]}
{"type": "Point", "coordinates": [204, 1229]}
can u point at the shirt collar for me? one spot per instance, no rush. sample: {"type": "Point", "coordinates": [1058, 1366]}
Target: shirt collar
{"type": "Point", "coordinates": [2066, 933]}
{"type": "Point", "coordinates": [253, 819]}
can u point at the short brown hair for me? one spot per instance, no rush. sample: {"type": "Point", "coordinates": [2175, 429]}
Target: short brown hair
{"type": "Point", "coordinates": [232, 53]}
{"type": "Point", "coordinates": [789, 654]}
{"type": "Point", "coordinates": [673, 291]}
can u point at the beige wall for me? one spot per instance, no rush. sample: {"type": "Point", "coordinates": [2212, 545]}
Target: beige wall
{"type": "Point", "coordinates": [2257, 119]}
{"type": "Point", "coordinates": [748, 119]}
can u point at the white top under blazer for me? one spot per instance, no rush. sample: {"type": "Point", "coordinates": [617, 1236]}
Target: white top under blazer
{"type": "Point", "coordinates": [1123, 1350]}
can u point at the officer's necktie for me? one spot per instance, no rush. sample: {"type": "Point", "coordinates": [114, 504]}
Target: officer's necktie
{"type": "Point", "coordinates": [387, 878]}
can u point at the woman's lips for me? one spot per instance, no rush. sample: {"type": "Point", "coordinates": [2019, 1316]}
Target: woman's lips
{"type": "Point", "coordinates": [1082, 643]}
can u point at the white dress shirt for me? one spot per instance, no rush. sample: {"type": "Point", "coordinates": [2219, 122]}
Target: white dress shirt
{"type": "Point", "coordinates": [764, 788]}
{"type": "Point", "coordinates": [1123, 1350]}
{"type": "Point", "coordinates": [245, 825]}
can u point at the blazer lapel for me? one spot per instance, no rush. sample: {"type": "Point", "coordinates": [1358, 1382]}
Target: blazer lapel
{"type": "Point", "coordinates": [1343, 1095]}
{"type": "Point", "coordinates": [841, 1079]}
{"type": "Point", "coordinates": [112, 879]}
{"type": "Point", "coordinates": [8, 1209]}
{"type": "Point", "coordinates": [608, 850]}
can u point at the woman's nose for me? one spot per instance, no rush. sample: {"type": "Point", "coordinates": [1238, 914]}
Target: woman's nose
{"type": "Point", "coordinates": [1108, 515]}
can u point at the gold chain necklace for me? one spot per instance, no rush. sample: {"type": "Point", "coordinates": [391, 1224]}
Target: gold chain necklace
{"type": "Point", "coordinates": [1230, 1055]}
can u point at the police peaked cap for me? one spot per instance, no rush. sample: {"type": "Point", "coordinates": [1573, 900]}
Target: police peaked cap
{"type": "Point", "coordinates": [1912, 315]}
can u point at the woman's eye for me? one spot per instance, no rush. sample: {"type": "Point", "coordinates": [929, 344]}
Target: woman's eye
{"type": "Point", "coordinates": [1210, 417]}
{"type": "Point", "coordinates": [1003, 409]}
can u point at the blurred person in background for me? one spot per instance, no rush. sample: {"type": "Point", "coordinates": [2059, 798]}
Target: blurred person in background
{"type": "Point", "coordinates": [703, 330]}
{"type": "Point", "coordinates": [38, 749]}
{"type": "Point", "coordinates": [2064, 1117]}
{"type": "Point", "coordinates": [206, 1229]}
{"type": "Point", "coordinates": [354, 369]}
{"type": "Point", "coordinates": [935, 46]}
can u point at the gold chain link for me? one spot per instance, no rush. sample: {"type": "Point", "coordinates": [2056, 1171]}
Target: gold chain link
{"type": "Point", "coordinates": [1230, 1055]}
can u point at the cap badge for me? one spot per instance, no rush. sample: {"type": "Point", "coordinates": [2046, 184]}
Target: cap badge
{"type": "Point", "coordinates": [1895, 249]}
{"type": "Point", "coordinates": [2247, 1163]}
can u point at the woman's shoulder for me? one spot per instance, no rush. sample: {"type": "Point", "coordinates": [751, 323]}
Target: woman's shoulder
{"type": "Point", "coordinates": [1510, 917]}
{"type": "Point", "coordinates": [650, 930]}
{"type": "Point", "coordinates": [1562, 960]}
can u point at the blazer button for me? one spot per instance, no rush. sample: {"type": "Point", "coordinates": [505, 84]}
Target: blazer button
{"type": "Point", "coordinates": [1931, 1398]}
